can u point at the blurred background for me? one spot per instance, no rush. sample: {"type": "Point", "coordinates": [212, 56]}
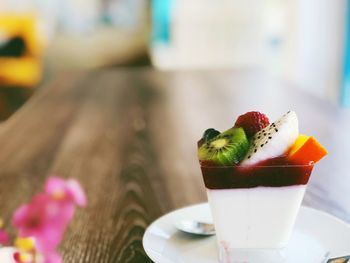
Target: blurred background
{"type": "Point", "coordinates": [304, 42]}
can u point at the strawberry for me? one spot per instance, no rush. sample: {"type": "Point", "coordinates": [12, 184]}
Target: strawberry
{"type": "Point", "coordinates": [252, 122]}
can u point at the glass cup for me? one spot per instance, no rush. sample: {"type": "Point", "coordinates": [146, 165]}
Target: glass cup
{"type": "Point", "coordinates": [254, 208]}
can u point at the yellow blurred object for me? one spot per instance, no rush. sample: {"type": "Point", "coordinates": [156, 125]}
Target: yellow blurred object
{"type": "Point", "coordinates": [26, 244]}
{"type": "Point", "coordinates": [26, 69]}
{"type": "Point", "coordinates": [23, 72]}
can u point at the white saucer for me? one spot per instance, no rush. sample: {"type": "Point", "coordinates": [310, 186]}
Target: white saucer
{"type": "Point", "coordinates": [316, 234]}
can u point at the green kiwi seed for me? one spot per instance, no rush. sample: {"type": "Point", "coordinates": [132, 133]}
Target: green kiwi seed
{"type": "Point", "coordinates": [227, 148]}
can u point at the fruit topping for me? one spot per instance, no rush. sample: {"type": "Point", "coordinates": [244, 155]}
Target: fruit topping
{"type": "Point", "coordinates": [253, 141]}
{"type": "Point", "coordinates": [227, 148]}
{"type": "Point", "coordinates": [305, 150]}
{"type": "Point", "coordinates": [252, 122]}
{"type": "Point", "coordinates": [302, 138]}
{"type": "Point", "coordinates": [210, 134]}
{"type": "Point", "coordinates": [200, 142]}
{"type": "Point", "coordinates": [273, 140]}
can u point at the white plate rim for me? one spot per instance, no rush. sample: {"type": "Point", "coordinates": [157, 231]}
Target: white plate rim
{"type": "Point", "coordinates": [306, 208]}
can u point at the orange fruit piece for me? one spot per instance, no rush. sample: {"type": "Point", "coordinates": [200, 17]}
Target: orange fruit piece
{"type": "Point", "coordinates": [298, 143]}
{"type": "Point", "coordinates": [306, 149]}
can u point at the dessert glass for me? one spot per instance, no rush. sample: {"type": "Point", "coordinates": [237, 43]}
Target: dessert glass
{"type": "Point", "coordinates": [254, 208]}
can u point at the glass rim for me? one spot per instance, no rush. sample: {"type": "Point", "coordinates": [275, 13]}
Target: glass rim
{"type": "Point", "coordinates": [311, 164]}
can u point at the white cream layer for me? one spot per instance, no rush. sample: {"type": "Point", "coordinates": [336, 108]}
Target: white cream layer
{"type": "Point", "coordinates": [260, 217]}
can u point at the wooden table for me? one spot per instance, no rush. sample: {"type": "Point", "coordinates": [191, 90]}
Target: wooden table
{"type": "Point", "coordinates": [129, 136]}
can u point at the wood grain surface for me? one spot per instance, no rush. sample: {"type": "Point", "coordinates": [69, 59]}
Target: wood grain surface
{"type": "Point", "coordinates": [129, 136]}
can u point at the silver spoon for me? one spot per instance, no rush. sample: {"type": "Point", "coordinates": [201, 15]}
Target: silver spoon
{"type": "Point", "coordinates": [196, 227]}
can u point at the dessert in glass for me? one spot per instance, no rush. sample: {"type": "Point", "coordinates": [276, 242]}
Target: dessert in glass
{"type": "Point", "coordinates": [256, 174]}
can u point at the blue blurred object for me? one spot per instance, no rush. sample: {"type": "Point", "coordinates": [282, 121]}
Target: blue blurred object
{"type": "Point", "coordinates": [161, 15]}
{"type": "Point", "coordinates": [345, 88]}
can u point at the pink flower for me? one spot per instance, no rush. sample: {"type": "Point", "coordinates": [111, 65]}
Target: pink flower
{"type": "Point", "coordinates": [53, 257]}
{"type": "Point", "coordinates": [27, 252]}
{"type": "Point", "coordinates": [44, 219]}
{"type": "Point", "coordinates": [23, 257]}
{"type": "Point", "coordinates": [68, 191]}
{"type": "Point", "coordinates": [4, 238]}
{"type": "Point", "coordinates": [47, 215]}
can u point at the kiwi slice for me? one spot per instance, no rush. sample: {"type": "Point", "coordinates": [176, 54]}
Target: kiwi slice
{"type": "Point", "coordinates": [227, 148]}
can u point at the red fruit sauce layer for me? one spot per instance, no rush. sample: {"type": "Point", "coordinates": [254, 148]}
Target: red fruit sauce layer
{"type": "Point", "coordinates": [274, 172]}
